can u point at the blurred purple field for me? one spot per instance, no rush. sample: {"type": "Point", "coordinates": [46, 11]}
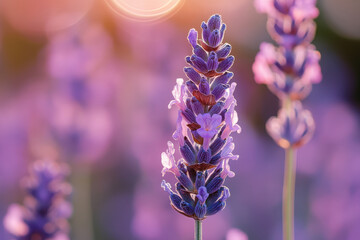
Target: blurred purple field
{"type": "Point", "coordinates": [88, 83]}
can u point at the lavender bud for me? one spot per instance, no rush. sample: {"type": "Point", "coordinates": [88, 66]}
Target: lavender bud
{"type": "Point", "coordinates": [219, 91]}
{"type": "Point", "coordinates": [214, 184]}
{"type": "Point", "coordinates": [175, 200]}
{"type": "Point", "coordinates": [187, 208]}
{"type": "Point", "coordinates": [192, 74]}
{"type": "Point", "coordinates": [182, 167]}
{"type": "Point", "coordinates": [204, 86]}
{"type": "Point", "coordinates": [222, 31]}
{"type": "Point", "coordinates": [185, 181]}
{"type": "Point", "coordinates": [214, 174]}
{"type": "Point", "coordinates": [189, 144]}
{"type": "Point", "coordinates": [187, 154]}
{"type": "Point", "coordinates": [214, 38]}
{"type": "Point", "coordinates": [199, 63]}
{"type": "Point", "coordinates": [214, 22]}
{"type": "Point", "coordinates": [202, 194]}
{"type": "Point", "coordinates": [204, 156]}
{"type": "Point", "coordinates": [212, 62]}
{"type": "Point", "coordinates": [214, 196]}
{"type": "Point", "coordinates": [188, 60]}
{"type": "Point", "coordinates": [200, 180]}
{"type": "Point", "coordinates": [200, 210]}
{"type": "Point", "coordinates": [216, 108]}
{"type": "Point", "coordinates": [215, 159]}
{"type": "Point", "coordinates": [223, 79]}
{"type": "Point", "coordinates": [200, 52]}
{"type": "Point", "coordinates": [215, 208]}
{"type": "Point", "coordinates": [217, 144]}
{"type": "Point", "coordinates": [192, 37]}
{"type": "Point", "coordinates": [192, 174]}
{"type": "Point", "coordinates": [185, 195]}
{"type": "Point", "coordinates": [189, 115]}
{"type": "Point", "coordinates": [197, 106]}
{"type": "Point", "coordinates": [225, 64]}
{"type": "Point", "coordinates": [206, 32]}
{"type": "Point", "coordinates": [191, 86]}
{"type": "Point", "coordinates": [224, 51]}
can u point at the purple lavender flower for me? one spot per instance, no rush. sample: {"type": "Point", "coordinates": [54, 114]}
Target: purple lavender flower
{"type": "Point", "coordinates": [290, 21]}
{"type": "Point", "coordinates": [206, 117]}
{"type": "Point", "coordinates": [290, 69]}
{"type": "Point", "coordinates": [292, 128]}
{"type": "Point", "coordinates": [45, 211]}
{"type": "Point", "coordinates": [210, 56]}
{"type": "Point", "coordinates": [289, 72]}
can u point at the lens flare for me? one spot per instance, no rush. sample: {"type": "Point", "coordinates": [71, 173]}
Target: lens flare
{"type": "Point", "coordinates": [144, 10]}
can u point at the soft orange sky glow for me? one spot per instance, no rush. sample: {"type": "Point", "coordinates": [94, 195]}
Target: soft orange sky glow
{"type": "Point", "coordinates": [144, 10]}
{"type": "Point", "coordinates": [43, 16]}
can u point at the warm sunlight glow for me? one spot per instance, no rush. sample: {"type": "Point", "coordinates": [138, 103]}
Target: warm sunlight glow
{"type": "Point", "coordinates": [43, 16]}
{"type": "Point", "coordinates": [144, 10]}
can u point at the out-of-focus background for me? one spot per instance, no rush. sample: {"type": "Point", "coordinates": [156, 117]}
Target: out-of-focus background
{"type": "Point", "coordinates": [88, 82]}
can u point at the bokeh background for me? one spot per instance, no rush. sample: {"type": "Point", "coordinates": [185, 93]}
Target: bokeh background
{"type": "Point", "coordinates": [88, 82]}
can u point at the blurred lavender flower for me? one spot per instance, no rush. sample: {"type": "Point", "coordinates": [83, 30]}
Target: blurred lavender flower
{"type": "Point", "coordinates": [290, 22]}
{"type": "Point", "coordinates": [82, 91]}
{"type": "Point", "coordinates": [291, 128]}
{"type": "Point", "coordinates": [289, 72]}
{"type": "Point", "coordinates": [290, 69]}
{"type": "Point", "coordinates": [236, 234]}
{"type": "Point", "coordinates": [206, 117]}
{"type": "Point", "coordinates": [45, 211]}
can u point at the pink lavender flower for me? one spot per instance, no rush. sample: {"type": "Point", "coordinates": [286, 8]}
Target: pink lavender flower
{"type": "Point", "coordinates": [206, 117]}
{"type": "Point", "coordinates": [179, 94]}
{"type": "Point", "coordinates": [291, 128]}
{"type": "Point", "coordinates": [231, 119]}
{"type": "Point", "coordinates": [289, 72]}
{"type": "Point", "coordinates": [290, 69]}
{"type": "Point", "coordinates": [45, 211]}
{"type": "Point", "coordinates": [290, 21]}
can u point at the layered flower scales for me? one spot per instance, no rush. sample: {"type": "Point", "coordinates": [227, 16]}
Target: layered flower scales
{"type": "Point", "coordinates": [206, 118]}
{"type": "Point", "coordinates": [45, 211]}
{"type": "Point", "coordinates": [290, 69]}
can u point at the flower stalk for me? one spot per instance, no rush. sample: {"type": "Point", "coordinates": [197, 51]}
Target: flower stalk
{"type": "Point", "coordinates": [198, 230]}
{"type": "Point", "coordinates": [288, 193]}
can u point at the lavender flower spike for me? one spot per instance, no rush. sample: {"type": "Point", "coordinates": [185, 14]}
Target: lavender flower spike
{"type": "Point", "coordinates": [45, 210]}
{"type": "Point", "coordinates": [207, 117]}
{"type": "Point", "coordinates": [289, 71]}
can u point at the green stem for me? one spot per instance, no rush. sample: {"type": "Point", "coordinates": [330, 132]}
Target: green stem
{"type": "Point", "coordinates": [82, 219]}
{"type": "Point", "coordinates": [288, 193]}
{"type": "Point", "coordinates": [198, 230]}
